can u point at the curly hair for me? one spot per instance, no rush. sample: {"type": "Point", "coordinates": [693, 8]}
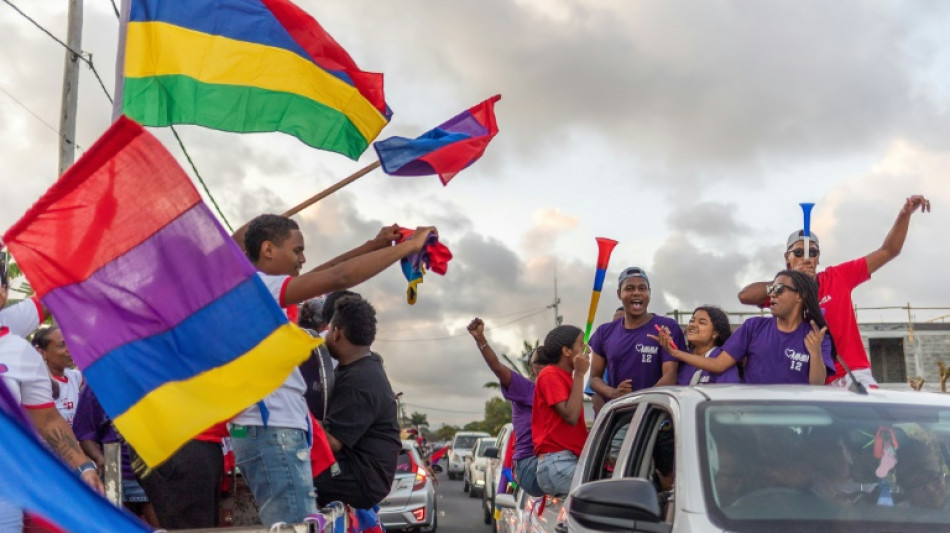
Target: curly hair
{"type": "Point", "coordinates": [357, 318]}
{"type": "Point", "coordinates": [273, 228]}
{"type": "Point", "coordinates": [560, 337]}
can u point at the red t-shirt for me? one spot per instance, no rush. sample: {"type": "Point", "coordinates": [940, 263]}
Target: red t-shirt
{"type": "Point", "coordinates": [834, 296]}
{"type": "Point", "coordinates": [549, 431]}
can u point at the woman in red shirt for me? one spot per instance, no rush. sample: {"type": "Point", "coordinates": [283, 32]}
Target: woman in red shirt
{"type": "Point", "coordinates": [557, 417]}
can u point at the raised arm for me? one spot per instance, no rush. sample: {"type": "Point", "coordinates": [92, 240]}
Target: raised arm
{"type": "Point", "coordinates": [352, 271]}
{"type": "Point", "coordinates": [477, 329]}
{"type": "Point", "coordinates": [59, 436]}
{"type": "Point", "coordinates": [716, 365]}
{"type": "Point", "coordinates": [816, 362]}
{"type": "Point", "coordinates": [754, 294]}
{"type": "Point", "coordinates": [384, 239]}
{"type": "Point", "coordinates": [894, 242]}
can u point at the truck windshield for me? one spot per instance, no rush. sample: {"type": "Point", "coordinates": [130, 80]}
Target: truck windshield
{"type": "Point", "coordinates": [799, 466]}
{"type": "Point", "coordinates": [465, 442]}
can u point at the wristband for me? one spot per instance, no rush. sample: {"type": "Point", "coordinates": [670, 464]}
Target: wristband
{"type": "Point", "coordinates": [85, 467]}
{"type": "Point", "coordinates": [483, 346]}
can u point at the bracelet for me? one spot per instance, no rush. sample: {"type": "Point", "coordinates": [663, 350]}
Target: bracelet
{"type": "Point", "coordinates": [483, 346]}
{"type": "Point", "coordinates": [85, 467]}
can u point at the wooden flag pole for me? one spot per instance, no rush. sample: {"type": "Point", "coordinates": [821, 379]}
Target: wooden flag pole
{"type": "Point", "coordinates": [332, 189]}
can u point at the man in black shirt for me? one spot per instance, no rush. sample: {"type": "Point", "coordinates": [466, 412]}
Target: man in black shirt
{"type": "Point", "coordinates": [361, 423]}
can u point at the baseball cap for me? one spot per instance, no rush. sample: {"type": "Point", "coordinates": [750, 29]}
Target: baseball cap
{"type": "Point", "coordinates": [633, 272]}
{"type": "Point", "coordinates": [800, 235]}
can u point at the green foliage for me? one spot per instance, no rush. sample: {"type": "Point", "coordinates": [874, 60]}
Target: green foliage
{"type": "Point", "coordinates": [497, 414]}
{"type": "Point", "coordinates": [446, 432]}
{"type": "Point", "coordinates": [522, 365]}
{"type": "Point", "coordinates": [419, 420]}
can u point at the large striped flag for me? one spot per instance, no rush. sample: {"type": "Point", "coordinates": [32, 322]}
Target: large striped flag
{"type": "Point", "coordinates": [166, 317]}
{"type": "Point", "coordinates": [245, 66]}
{"type": "Point", "coordinates": [38, 481]}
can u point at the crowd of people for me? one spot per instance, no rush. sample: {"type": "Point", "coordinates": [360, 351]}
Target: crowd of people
{"type": "Point", "coordinates": [340, 396]}
{"type": "Point", "coordinates": [811, 337]}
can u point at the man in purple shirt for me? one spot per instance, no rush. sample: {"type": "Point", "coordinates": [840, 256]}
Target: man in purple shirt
{"type": "Point", "coordinates": [518, 390]}
{"type": "Point", "coordinates": [624, 348]}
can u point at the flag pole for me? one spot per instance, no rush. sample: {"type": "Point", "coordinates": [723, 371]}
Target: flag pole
{"type": "Point", "coordinates": [332, 189]}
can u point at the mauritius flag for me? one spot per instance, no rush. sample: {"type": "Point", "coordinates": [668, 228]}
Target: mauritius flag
{"type": "Point", "coordinates": [445, 150]}
{"type": "Point", "coordinates": [166, 317]}
{"type": "Point", "coordinates": [245, 66]}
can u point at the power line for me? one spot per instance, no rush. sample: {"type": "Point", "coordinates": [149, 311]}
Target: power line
{"type": "Point", "coordinates": [534, 313]}
{"type": "Point", "coordinates": [86, 58]}
{"type": "Point", "coordinates": [30, 111]}
{"type": "Point", "coordinates": [200, 180]}
{"type": "Point", "coordinates": [115, 8]}
{"type": "Point", "coordinates": [506, 315]}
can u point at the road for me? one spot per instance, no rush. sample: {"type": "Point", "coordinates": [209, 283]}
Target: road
{"type": "Point", "coordinates": [457, 512]}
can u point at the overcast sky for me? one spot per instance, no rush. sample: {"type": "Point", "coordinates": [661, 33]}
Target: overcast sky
{"type": "Point", "coordinates": [688, 131]}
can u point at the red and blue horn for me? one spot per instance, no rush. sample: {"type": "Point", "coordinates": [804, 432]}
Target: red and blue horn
{"type": "Point", "coordinates": [605, 247]}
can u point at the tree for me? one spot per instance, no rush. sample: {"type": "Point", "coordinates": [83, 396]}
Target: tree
{"type": "Point", "coordinates": [497, 414]}
{"type": "Point", "coordinates": [419, 420]}
{"type": "Point", "coordinates": [446, 432]}
{"type": "Point", "coordinates": [522, 365]}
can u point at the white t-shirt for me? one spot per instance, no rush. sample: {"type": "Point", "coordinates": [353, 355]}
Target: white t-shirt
{"type": "Point", "coordinates": [286, 406]}
{"type": "Point", "coordinates": [24, 372]}
{"type": "Point", "coordinates": [69, 387]}
{"type": "Point", "coordinates": [22, 317]}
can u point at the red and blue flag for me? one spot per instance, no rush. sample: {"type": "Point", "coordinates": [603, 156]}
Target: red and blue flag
{"type": "Point", "coordinates": [444, 150]}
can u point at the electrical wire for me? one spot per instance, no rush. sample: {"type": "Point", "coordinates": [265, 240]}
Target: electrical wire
{"type": "Point", "coordinates": [464, 333]}
{"type": "Point", "coordinates": [506, 315]}
{"type": "Point", "coordinates": [30, 111]}
{"type": "Point", "coordinates": [442, 410]}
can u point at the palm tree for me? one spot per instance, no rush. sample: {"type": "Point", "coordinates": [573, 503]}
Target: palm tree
{"type": "Point", "coordinates": [522, 365]}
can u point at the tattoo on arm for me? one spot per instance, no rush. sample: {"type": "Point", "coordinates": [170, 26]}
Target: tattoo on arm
{"type": "Point", "coordinates": [63, 443]}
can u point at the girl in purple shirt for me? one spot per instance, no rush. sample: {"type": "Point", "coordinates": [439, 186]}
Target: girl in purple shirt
{"type": "Point", "coordinates": [707, 331]}
{"type": "Point", "coordinates": [777, 349]}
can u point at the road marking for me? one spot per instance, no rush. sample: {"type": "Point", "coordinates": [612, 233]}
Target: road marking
{"type": "Point", "coordinates": [442, 513]}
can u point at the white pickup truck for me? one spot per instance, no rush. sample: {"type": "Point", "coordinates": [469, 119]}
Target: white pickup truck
{"type": "Point", "coordinates": [747, 458]}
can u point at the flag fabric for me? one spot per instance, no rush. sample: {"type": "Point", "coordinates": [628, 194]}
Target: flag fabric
{"type": "Point", "coordinates": [437, 455]}
{"type": "Point", "coordinates": [161, 310]}
{"type": "Point", "coordinates": [445, 150]}
{"type": "Point", "coordinates": [35, 479]}
{"type": "Point", "coordinates": [604, 248]}
{"type": "Point", "coordinates": [245, 66]}
{"type": "Point", "coordinates": [434, 256]}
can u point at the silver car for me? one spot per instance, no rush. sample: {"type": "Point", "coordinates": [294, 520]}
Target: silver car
{"type": "Point", "coordinates": [462, 446]}
{"type": "Point", "coordinates": [411, 503]}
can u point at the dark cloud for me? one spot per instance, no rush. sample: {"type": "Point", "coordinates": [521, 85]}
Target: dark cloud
{"type": "Point", "coordinates": [708, 219]}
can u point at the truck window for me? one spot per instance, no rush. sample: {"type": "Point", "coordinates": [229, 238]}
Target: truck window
{"type": "Point", "coordinates": [609, 454]}
{"type": "Point", "coordinates": [654, 456]}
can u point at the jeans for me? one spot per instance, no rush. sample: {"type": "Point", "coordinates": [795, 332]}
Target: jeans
{"type": "Point", "coordinates": [556, 471]}
{"type": "Point", "coordinates": [526, 475]}
{"type": "Point", "coordinates": [11, 518]}
{"type": "Point", "coordinates": [275, 463]}
{"type": "Point", "coordinates": [185, 489]}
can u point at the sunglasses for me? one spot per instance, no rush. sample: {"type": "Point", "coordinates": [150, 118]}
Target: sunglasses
{"type": "Point", "coordinates": [778, 288]}
{"type": "Point", "coordinates": [800, 252]}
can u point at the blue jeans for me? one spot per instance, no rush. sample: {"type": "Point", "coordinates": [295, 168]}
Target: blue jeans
{"type": "Point", "coordinates": [526, 475]}
{"type": "Point", "coordinates": [11, 518]}
{"type": "Point", "coordinates": [276, 464]}
{"type": "Point", "coordinates": [556, 471]}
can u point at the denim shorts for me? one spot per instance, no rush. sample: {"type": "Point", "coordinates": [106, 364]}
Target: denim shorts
{"type": "Point", "coordinates": [275, 463]}
{"type": "Point", "coordinates": [556, 471]}
{"type": "Point", "coordinates": [526, 475]}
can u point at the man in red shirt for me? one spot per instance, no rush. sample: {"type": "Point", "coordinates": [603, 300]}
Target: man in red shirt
{"type": "Point", "coordinates": [834, 290]}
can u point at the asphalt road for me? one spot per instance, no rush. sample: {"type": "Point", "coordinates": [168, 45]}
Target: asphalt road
{"type": "Point", "coordinates": [458, 513]}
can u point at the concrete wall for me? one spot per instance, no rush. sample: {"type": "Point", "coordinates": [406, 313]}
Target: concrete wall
{"type": "Point", "coordinates": [931, 344]}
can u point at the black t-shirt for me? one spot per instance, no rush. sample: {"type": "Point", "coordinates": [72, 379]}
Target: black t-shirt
{"type": "Point", "coordinates": [362, 416]}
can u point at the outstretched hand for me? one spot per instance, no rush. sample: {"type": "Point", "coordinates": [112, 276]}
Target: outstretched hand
{"type": "Point", "coordinates": [664, 339]}
{"type": "Point", "coordinates": [418, 239]}
{"type": "Point", "coordinates": [477, 328]}
{"type": "Point", "coordinates": [814, 339]}
{"type": "Point", "coordinates": [387, 235]}
{"type": "Point", "coordinates": [914, 202]}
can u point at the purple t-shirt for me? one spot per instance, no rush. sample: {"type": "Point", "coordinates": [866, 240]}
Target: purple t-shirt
{"type": "Point", "coordinates": [520, 392]}
{"type": "Point", "coordinates": [92, 423]}
{"type": "Point", "coordinates": [686, 372]}
{"type": "Point", "coordinates": [631, 354]}
{"type": "Point", "coordinates": [772, 356]}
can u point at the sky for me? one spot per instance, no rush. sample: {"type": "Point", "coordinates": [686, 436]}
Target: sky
{"type": "Point", "coordinates": [687, 131]}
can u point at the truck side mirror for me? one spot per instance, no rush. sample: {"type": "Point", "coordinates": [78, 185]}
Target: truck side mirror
{"type": "Point", "coordinates": [505, 501]}
{"type": "Point", "coordinates": [491, 452]}
{"type": "Point", "coordinates": [617, 504]}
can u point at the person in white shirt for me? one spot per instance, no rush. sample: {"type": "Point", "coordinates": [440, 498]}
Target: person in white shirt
{"type": "Point", "coordinates": [67, 379]}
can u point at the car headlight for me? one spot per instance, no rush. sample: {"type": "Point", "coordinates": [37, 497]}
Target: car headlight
{"type": "Point", "coordinates": [480, 467]}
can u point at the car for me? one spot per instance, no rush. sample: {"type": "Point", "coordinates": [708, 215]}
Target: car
{"type": "Point", "coordinates": [411, 503]}
{"type": "Point", "coordinates": [473, 477]}
{"type": "Point", "coordinates": [498, 455]}
{"type": "Point", "coordinates": [462, 446]}
{"type": "Point", "coordinates": [760, 458]}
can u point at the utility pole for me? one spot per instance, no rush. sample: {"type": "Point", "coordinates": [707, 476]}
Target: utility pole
{"type": "Point", "coordinates": [67, 119]}
{"type": "Point", "coordinates": [558, 319]}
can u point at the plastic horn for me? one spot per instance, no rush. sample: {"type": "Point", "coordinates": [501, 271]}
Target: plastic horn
{"type": "Point", "coordinates": [604, 248]}
{"type": "Point", "coordinates": [806, 228]}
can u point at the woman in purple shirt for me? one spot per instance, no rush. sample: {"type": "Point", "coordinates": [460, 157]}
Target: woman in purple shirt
{"type": "Point", "coordinates": [777, 349]}
{"type": "Point", "coordinates": [518, 390]}
{"type": "Point", "coordinates": [707, 331]}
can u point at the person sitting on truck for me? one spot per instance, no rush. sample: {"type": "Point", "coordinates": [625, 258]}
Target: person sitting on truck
{"type": "Point", "coordinates": [707, 331]}
{"type": "Point", "coordinates": [557, 415]}
{"type": "Point", "coordinates": [777, 349]}
{"type": "Point", "coordinates": [518, 390]}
